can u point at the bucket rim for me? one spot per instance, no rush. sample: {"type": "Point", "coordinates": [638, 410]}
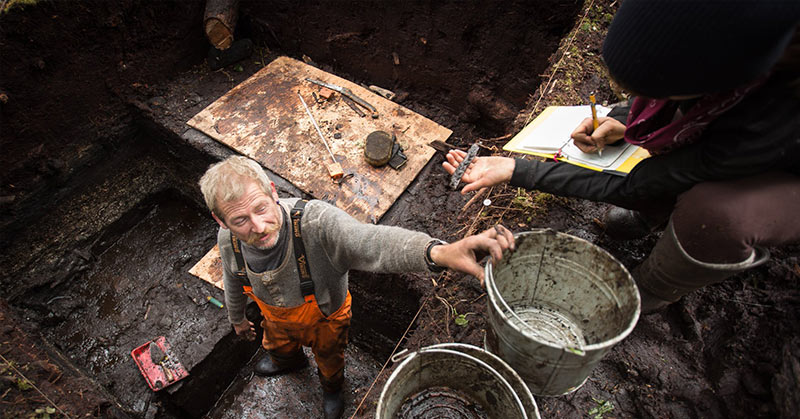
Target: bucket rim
{"type": "Point", "coordinates": [491, 290]}
{"type": "Point", "coordinates": [431, 350]}
{"type": "Point", "coordinates": [528, 395]}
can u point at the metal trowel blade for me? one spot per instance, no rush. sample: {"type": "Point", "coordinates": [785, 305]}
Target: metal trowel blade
{"type": "Point", "coordinates": [157, 355]}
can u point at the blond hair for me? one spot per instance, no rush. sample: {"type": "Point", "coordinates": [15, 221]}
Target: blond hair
{"type": "Point", "coordinates": [225, 181]}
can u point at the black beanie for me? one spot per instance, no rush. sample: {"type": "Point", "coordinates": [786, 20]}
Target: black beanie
{"type": "Point", "coordinates": [673, 47]}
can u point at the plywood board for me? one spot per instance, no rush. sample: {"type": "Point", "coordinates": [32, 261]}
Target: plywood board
{"type": "Point", "coordinates": [263, 118]}
{"type": "Point", "coordinates": [209, 268]}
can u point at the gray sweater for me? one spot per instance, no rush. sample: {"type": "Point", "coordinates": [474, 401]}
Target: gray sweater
{"type": "Point", "coordinates": [334, 242]}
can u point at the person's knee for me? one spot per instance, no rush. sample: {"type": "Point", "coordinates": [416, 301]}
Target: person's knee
{"type": "Point", "coordinates": [710, 224]}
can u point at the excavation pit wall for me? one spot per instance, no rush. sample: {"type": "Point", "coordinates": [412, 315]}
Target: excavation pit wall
{"type": "Point", "coordinates": [107, 219]}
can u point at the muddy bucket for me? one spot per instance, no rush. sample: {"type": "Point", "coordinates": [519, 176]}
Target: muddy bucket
{"type": "Point", "coordinates": [454, 380]}
{"type": "Point", "coordinates": [556, 306]}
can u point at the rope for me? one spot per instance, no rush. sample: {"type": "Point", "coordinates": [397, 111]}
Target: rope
{"type": "Point", "coordinates": [16, 371]}
{"type": "Point", "coordinates": [363, 399]}
{"type": "Point", "coordinates": [474, 223]}
{"type": "Point", "coordinates": [555, 68]}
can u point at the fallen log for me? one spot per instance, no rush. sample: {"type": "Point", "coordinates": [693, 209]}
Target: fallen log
{"type": "Point", "coordinates": [219, 22]}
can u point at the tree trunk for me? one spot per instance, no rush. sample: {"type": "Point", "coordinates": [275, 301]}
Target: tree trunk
{"type": "Point", "coordinates": [220, 21]}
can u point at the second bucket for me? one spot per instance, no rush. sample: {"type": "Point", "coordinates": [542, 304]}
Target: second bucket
{"type": "Point", "coordinates": [557, 304]}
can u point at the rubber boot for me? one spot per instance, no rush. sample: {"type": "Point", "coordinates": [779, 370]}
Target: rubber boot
{"type": "Point", "coordinates": [274, 365]}
{"type": "Point", "coordinates": [332, 404]}
{"type": "Point", "coordinates": [669, 272]}
{"type": "Point", "coordinates": [624, 224]}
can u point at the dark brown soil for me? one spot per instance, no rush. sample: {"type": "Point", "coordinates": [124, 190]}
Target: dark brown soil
{"type": "Point", "coordinates": [86, 81]}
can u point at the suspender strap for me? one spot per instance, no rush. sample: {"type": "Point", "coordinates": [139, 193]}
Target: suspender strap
{"type": "Point", "coordinates": [241, 272]}
{"type": "Point", "coordinates": [306, 285]}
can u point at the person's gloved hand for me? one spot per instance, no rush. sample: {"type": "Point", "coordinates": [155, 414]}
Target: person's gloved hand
{"type": "Point", "coordinates": [245, 329]}
{"type": "Point", "coordinates": [589, 140]}
{"type": "Point", "coordinates": [464, 255]}
{"type": "Point", "coordinates": [482, 172]}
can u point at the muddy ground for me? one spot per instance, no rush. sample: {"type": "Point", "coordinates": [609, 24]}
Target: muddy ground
{"type": "Point", "coordinates": [94, 100]}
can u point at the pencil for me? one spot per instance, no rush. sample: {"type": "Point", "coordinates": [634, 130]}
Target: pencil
{"type": "Point", "coordinates": [595, 123]}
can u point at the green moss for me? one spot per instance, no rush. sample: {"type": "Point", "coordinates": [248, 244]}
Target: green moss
{"type": "Point", "coordinates": [23, 384]}
{"type": "Point", "coordinates": [17, 3]}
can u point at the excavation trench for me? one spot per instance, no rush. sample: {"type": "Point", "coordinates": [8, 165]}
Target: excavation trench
{"type": "Point", "coordinates": [101, 217]}
{"type": "Point", "coordinates": [107, 219]}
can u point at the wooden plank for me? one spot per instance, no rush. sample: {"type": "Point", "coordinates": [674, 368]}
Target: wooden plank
{"type": "Point", "coordinates": [209, 268]}
{"type": "Point", "coordinates": [263, 118]}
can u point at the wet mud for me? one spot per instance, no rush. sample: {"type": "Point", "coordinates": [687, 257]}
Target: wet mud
{"type": "Point", "coordinates": [102, 218]}
{"type": "Point", "coordinates": [440, 402]}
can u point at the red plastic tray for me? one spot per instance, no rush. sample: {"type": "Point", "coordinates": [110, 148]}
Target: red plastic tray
{"type": "Point", "coordinates": [156, 377]}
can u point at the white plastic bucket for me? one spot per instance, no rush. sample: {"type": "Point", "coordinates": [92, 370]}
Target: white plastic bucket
{"type": "Point", "coordinates": [556, 305]}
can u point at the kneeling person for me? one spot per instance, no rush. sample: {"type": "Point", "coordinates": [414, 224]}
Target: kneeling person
{"type": "Point", "coordinates": [292, 258]}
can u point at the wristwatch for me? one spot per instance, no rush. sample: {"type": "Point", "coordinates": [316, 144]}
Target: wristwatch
{"type": "Point", "coordinates": [432, 266]}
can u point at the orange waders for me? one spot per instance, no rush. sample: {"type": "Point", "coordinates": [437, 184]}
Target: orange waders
{"type": "Point", "coordinates": [288, 329]}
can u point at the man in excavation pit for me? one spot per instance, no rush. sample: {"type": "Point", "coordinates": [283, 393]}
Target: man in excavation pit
{"type": "Point", "coordinates": [292, 258]}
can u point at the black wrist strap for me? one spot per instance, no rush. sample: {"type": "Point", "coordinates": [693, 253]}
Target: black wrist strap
{"type": "Point", "coordinates": [306, 284]}
{"type": "Point", "coordinates": [432, 266]}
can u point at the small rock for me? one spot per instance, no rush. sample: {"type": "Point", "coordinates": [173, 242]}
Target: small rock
{"type": "Point", "coordinates": [152, 411]}
{"type": "Point", "coordinates": [156, 101]}
{"type": "Point", "coordinates": [139, 406]}
{"type": "Point", "coordinates": [193, 99]}
{"type": "Point", "coordinates": [337, 135]}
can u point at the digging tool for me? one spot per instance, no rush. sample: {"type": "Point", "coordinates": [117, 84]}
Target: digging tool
{"type": "Point", "coordinates": [456, 178]}
{"type": "Point", "coordinates": [352, 104]}
{"type": "Point", "coordinates": [345, 91]}
{"type": "Point", "coordinates": [442, 146]}
{"type": "Point", "coordinates": [158, 357]}
{"type": "Point", "coordinates": [334, 169]}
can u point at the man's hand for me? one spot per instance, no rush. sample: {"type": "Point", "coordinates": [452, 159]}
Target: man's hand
{"type": "Point", "coordinates": [464, 255]}
{"type": "Point", "coordinates": [245, 329]}
{"type": "Point", "coordinates": [482, 172]}
{"type": "Point", "coordinates": [589, 140]}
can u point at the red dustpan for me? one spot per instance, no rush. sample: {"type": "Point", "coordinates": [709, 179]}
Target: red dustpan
{"type": "Point", "coordinates": [158, 364]}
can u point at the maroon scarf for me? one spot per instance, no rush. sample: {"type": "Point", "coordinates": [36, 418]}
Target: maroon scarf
{"type": "Point", "coordinates": [651, 126]}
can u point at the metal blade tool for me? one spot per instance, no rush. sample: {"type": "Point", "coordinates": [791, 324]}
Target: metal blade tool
{"type": "Point", "coordinates": [157, 356]}
{"type": "Point", "coordinates": [347, 92]}
{"type": "Point", "coordinates": [334, 169]}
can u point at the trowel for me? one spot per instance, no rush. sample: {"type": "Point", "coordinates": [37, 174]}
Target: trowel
{"type": "Point", "coordinates": [158, 357]}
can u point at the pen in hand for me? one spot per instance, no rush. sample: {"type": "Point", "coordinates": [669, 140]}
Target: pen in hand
{"type": "Point", "coordinates": [595, 123]}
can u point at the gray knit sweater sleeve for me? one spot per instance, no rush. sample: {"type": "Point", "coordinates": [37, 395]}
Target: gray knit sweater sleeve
{"type": "Point", "coordinates": [235, 300]}
{"type": "Point", "coordinates": [350, 244]}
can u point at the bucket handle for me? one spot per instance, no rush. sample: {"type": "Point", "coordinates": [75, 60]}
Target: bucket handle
{"type": "Point", "coordinates": [490, 281]}
{"type": "Point", "coordinates": [399, 356]}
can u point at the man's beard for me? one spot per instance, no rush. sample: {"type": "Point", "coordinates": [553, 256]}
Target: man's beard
{"type": "Point", "coordinates": [275, 239]}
